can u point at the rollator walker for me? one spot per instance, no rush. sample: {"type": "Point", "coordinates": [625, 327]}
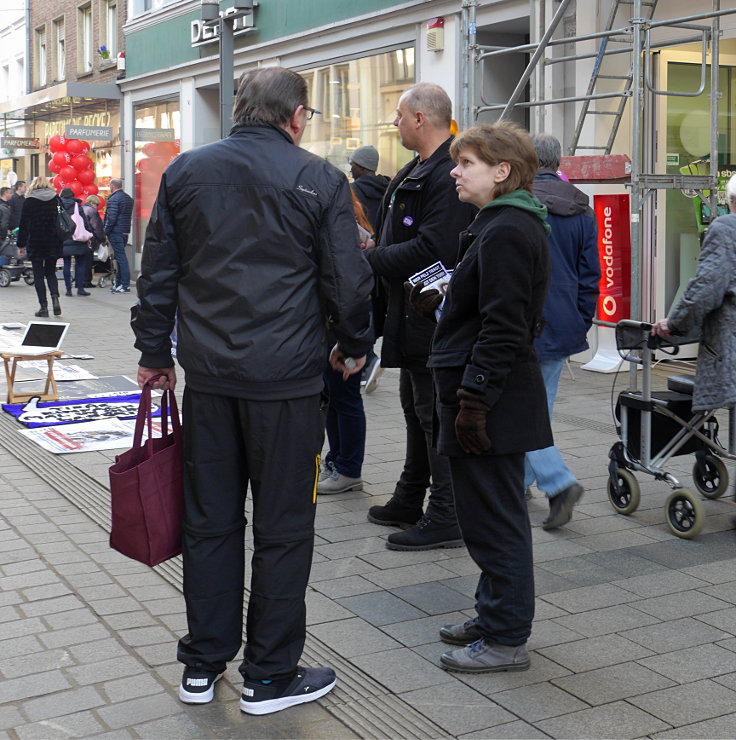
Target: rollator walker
{"type": "Point", "coordinates": [655, 426]}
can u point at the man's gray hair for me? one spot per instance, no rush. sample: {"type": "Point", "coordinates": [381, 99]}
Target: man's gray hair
{"type": "Point", "coordinates": [549, 151]}
{"type": "Point", "coordinates": [116, 183]}
{"type": "Point", "coordinates": [269, 95]}
{"type": "Point", "coordinates": [731, 188]}
{"type": "Point", "coordinates": [431, 100]}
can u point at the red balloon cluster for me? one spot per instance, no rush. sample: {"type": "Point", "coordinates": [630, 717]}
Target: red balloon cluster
{"type": "Point", "coordinates": [73, 168]}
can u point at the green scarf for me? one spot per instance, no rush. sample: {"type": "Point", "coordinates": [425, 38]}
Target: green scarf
{"type": "Point", "coordinates": [526, 201]}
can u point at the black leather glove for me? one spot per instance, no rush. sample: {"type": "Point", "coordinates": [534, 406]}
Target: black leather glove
{"type": "Point", "coordinates": [470, 424]}
{"type": "Point", "coordinates": [424, 303]}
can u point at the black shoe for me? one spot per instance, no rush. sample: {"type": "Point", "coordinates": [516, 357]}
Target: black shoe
{"type": "Point", "coordinates": [57, 306]}
{"type": "Point", "coordinates": [461, 634]}
{"type": "Point", "coordinates": [308, 684]}
{"type": "Point", "coordinates": [395, 514]}
{"type": "Point", "coordinates": [83, 292]}
{"type": "Point", "coordinates": [89, 284]}
{"type": "Point", "coordinates": [42, 313]}
{"type": "Point", "coordinates": [426, 535]}
{"type": "Point", "coordinates": [197, 687]}
{"type": "Point", "coordinates": [69, 294]}
{"type": "Point", "coordinates": [561, 506]}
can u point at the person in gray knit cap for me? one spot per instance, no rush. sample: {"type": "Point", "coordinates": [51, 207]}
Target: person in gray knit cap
{"type": "Point", "coordinates": [367, 185]}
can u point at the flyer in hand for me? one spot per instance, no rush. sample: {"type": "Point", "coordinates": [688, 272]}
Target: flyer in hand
{"type": "Point", "coordinates": [435, 276]}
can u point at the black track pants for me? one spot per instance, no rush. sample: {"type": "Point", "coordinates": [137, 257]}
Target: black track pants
{"type": "Point", "coordinates": [273, 445]}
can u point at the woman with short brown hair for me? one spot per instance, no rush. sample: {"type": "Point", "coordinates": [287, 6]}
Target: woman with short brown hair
{"type": "Point", "coordinates": [491, 402]}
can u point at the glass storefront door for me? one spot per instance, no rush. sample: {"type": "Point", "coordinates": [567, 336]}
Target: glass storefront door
{"type": "Point", "coordinates": [358, 100]}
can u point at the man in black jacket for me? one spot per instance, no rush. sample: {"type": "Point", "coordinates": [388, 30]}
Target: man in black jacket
{"type": "Point", "coordinates": [16, 203]}
{"type": "Point", "coordinates": [118, 216]}
{"type": "Point", "coordinates": [419, 223]}
{"type": "Point", "coordinates": [367, 185]}
{"type": "Point", "coordinates": [253, 240]}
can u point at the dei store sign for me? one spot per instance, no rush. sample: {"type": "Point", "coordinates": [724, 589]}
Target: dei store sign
{"type": "Point", "coordinates": [205, 33]}
{"type": "Point", "coordinates": [613, 215]}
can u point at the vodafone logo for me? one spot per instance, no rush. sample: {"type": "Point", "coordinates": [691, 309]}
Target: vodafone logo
{"type": "Point", "coordinates": [609, 305]}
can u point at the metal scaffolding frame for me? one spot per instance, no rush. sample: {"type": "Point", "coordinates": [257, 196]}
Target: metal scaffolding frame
{"type": "Point", "coordinates": [637, 41]}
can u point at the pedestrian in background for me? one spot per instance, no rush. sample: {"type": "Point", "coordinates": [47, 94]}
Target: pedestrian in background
{"type": "Point", "coordinates": [79, 249]}
{"type": "Point", "coordinates": [37, 234]}
{"type": "Point", "coordinates": [118, 215]}
{"type": "Point", "coordinates": [254, 241]}
{"type": "Point", "coordinates": [16, 203]}
{"type": "Point", "coordinates": [418, 225]}
{"type": "Point", "coordinates": [490, 391]}
{"type": "Point", "coordinates": [568, 313]}
{"type": "Point", "coordinates": [343, 464]}
{"type": "Point", "coordinates": [91, 211]}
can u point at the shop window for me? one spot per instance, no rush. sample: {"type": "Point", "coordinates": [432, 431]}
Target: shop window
{"type": "Point", "coordinates": [110, 15]}
{"type": "Point", "coordinates": [358, 100]}
{"type": "Point", "coordinates": [41, 58]}
{"type": "Point", "coordinates": [85, 38]}
{"type": "Point", "coordinates": [157, 137]}
{"type": "Point", "coordinates": [60, 43]}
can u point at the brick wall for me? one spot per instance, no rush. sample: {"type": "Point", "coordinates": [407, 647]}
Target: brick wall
{"type": "Point", "coordinates": [45, 12]}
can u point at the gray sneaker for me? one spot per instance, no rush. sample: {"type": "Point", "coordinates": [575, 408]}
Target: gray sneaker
{"type": "Point", "coordinates": [337, 483]}
{"type": "Point", "coordinates": [487, 657]}
{"type": "Point", "coordinates": [371, 375]}
{"type": "Point", "coordinates": [561, 506]}
{"type": "Point", "coordinates": [461, 634]}
{"type": "Point", "coordinates": [326, 470]}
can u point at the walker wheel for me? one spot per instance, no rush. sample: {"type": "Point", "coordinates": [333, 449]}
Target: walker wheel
{"type": "Point", "coordinates": [684, 513]}
{"type": "Point", "coordinates": [626, 501]}
{"type": "Point", "coordinates": [4, 278]}
{"type": "Point", "coordinates": [101, 282]}
{"type": "Point", "coordinates": [28, 277]}
{"type": "Point", "coordinates": [714, 482]}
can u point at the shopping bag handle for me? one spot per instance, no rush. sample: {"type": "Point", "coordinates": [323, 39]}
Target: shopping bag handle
{"type": "Point", "coordinates": [169, 409]}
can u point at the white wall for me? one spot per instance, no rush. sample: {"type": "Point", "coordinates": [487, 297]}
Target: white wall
{"type": "Point", "coordinates": [12, 54]}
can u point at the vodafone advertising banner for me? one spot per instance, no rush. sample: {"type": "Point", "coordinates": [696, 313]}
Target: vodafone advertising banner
{"type": "Point", "coordinates": [614, 249]}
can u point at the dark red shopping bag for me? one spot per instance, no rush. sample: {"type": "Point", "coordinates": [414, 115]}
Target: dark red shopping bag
{"type": "Point", "coordinates": [146, 485]}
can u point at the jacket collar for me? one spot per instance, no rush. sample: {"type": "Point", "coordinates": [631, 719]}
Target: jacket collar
{"type": "Point", "coordinates": [422, 169]}
{"type": "Point", "coordinates": [265, 129]}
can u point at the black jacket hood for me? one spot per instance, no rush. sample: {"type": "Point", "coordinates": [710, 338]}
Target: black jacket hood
{"type": "Point", "coordinates": [372, 186]}
{"type": "Point", "coordinates": [560, 197]}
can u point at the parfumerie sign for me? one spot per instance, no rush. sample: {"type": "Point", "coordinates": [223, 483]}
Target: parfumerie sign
{"type": "Point", "coordinates": [205, 34]}
{"type": "Point", "coordinates": [154, 134]}
{"type": "Point", "coordinates": [16, 142]}
{"type": "Point", "coordinates": [88, 132]}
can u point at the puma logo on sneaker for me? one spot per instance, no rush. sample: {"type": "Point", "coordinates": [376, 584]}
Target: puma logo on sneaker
{"type": "Point", "coordinates": [197, 682]}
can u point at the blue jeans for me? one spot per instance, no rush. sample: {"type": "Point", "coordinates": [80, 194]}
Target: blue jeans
{"type": "Point", "coordinates": [345, 423]}
{"type": "Point", "coordinates": [117, 242]}
{"type": "Point", "coordinates": [547, 466]}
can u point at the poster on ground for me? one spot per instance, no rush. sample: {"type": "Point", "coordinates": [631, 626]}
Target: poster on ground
{"type": "Point", "coordinates": [105, 434]}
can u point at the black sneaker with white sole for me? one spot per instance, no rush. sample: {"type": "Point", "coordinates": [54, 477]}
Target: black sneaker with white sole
{"type": "Point", "coordinates": [307, 685]}
{"type": "Point", "coordinates": [198, 687]}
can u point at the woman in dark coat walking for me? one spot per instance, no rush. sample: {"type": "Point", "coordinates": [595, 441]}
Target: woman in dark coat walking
{"type": "Point", "coordinates": [77, 248]}
{"type": "Point", "coordinates": [491, 402]}
{"type": "Point", "coordinates": [37, 233]}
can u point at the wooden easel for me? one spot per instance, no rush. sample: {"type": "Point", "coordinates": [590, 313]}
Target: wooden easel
{"type": "Point", "coordinates": [50, 392]}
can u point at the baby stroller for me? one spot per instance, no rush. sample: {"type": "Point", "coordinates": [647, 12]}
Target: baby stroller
{"type": "Point", "coordinates": [13, 266]}
{"type": "Point", "coordinates": [104, 265]}
{"type": "Point", "coordinates": [655, 426]}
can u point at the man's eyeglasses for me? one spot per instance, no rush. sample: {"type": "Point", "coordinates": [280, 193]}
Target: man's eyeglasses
{"type": "Point", "coordinates": [311, 112]}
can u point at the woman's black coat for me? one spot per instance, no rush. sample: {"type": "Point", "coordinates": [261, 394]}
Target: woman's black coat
{"type": "Point", "coordinates": [483, 341]}
{"type": "Point", "coordinates": [37, 229]}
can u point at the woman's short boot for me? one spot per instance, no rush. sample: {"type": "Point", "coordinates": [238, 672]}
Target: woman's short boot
{"type": "Point", "coordinates": [57, 306]}
{"type": "Point", "coordinates": [43, 312]}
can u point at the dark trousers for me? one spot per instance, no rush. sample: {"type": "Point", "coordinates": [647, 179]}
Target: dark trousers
{"type": "Point", "coordinates": [423, 467]}
{"type": "Point", "coordinates": [345, 423]}
{"type": "Point", "coordinates": [44, 272]}
{"type": "Point", "coordinates": [492, 513]}
{"type": "Point", "coordinates": [274, 446]}
{"type": "Point", "coordinates": [81, 261]}
{"type": "Point", "coordinates": [117, 242]}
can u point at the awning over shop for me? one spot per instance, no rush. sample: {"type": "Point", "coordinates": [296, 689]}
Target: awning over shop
{"type": "Point", "coordinates": [50, 102]}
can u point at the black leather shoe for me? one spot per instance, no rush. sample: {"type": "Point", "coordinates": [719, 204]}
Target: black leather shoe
{"type": "Point", "coordinates": [394, 514]}
{"type": "Point", "coordinates": [461, 634]}
{"type": "Point", "coordinates": [56, 305]}
{"type": "Point", "coordinates": [426, 535]}
{"type": "Point", "coordinates": [561, 506]}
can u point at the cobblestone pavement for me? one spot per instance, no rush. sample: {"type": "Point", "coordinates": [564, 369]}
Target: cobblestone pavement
{"type": "Point", "coordinates": [635, 633]}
